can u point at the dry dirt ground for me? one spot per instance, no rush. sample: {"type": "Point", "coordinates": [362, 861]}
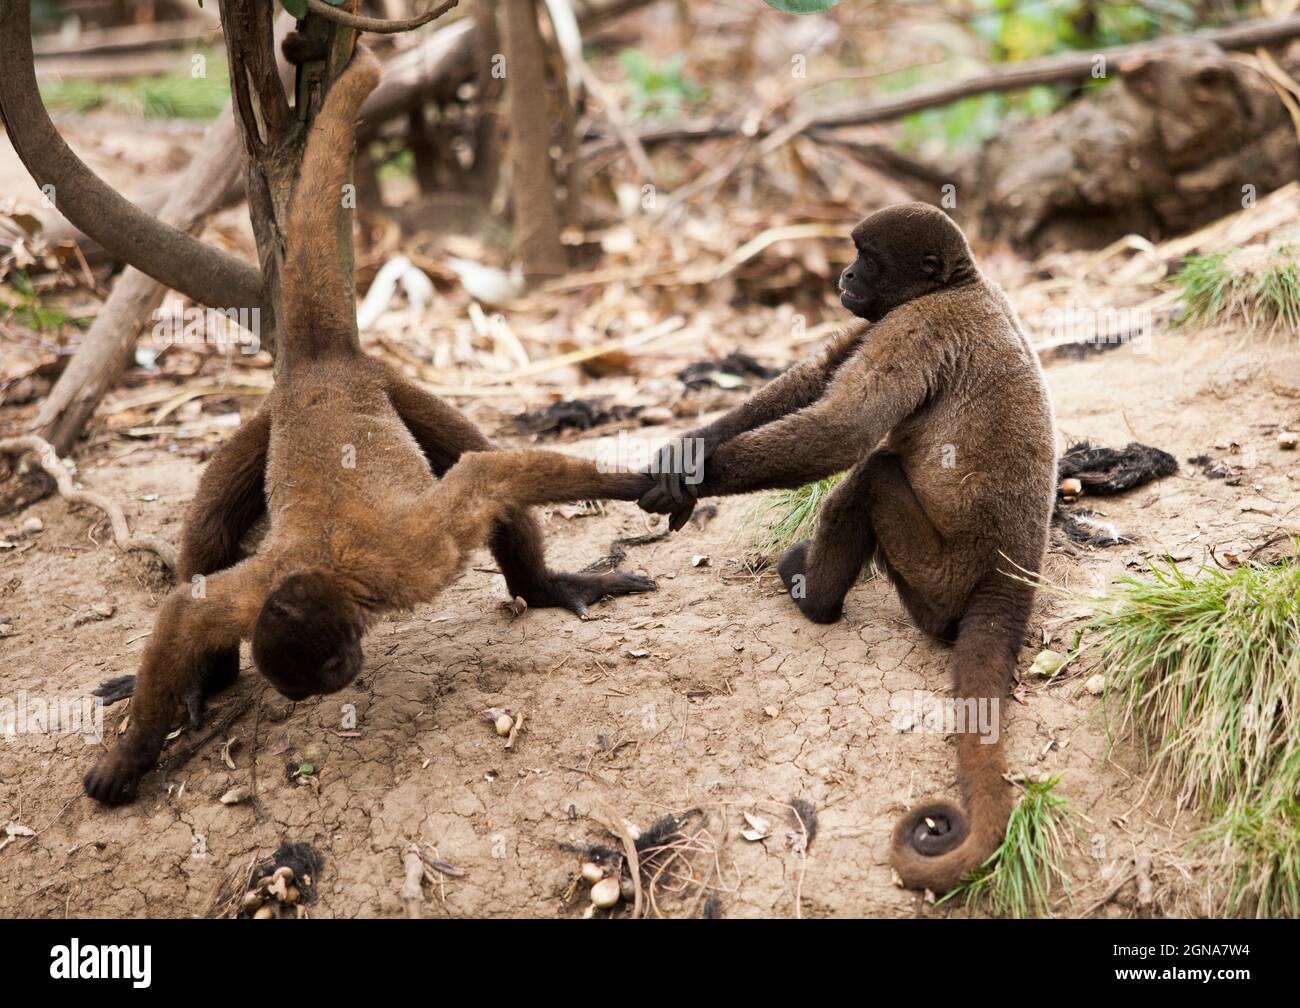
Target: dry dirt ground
{"type": "Point", "coordinates": [710, 693]}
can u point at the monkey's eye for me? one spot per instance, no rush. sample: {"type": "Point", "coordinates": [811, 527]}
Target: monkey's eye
{"type": "Point", "coordinates": [932, 266]}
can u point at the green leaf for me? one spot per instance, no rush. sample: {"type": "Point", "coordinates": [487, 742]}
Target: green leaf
{"type": "Point", "coordinates": [802, 6]}
{"type": "Point", "coordinates": [298, 8]}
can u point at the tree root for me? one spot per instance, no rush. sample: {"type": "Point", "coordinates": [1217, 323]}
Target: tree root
{"type": "Point", "coordinates": [49, 460]}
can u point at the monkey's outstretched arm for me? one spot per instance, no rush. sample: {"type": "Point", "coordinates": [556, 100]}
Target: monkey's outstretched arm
{"type": "Point", "coordinates": [456, 516]}
{"type": "Point", "coordinates": [230, 498]}
{"type": "Point", "coordinates": [187, 631]}
{"type": "Point", "coordinates": [797, 388]}
{"type": "Point", "coordinates": [514, 538]}
{"type": "Point", "coordinates": [888, 380]}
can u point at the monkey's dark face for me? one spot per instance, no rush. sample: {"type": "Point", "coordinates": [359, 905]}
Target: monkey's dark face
{"type": "Point", "coordinates": [904, 252]}
{"type": "Point", "coordinates": [308, 636]}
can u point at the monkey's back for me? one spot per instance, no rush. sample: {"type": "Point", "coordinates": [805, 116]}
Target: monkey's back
{"type": "Point", "coordinates": [340, 465]}
{"type": "Point", "coordinates": [981, 452]}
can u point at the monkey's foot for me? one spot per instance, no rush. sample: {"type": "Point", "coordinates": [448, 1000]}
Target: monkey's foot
{"type": "Point", "coordinates": [220, 671]}
{"type": "Point", "coordinates": [116, 777]}
{"type": "Point", "coordinates": [113, 690]}
{"type": "Point", "coordinates": [793, 568]}
{"type": "Point", "coordinates": [577, 591]}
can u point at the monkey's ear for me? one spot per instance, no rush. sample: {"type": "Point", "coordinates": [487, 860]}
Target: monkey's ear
{"type": "Point", "coordinates": [932, 266]}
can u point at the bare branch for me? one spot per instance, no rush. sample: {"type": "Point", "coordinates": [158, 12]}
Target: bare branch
{"type": "Point", "coordinates": [377, 25]}
{"type": "Point", "coordinates": [167, 254]}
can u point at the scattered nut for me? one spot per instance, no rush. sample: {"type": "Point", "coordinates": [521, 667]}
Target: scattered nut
{"type": "Point", "coordinates": [1286, 440]}
{"type": "Point", "coordinates": [1071, 487]}
{"type": "Point", "coordinates": [503, 725]}
{"type": "Point", "coordinates": [1096, 685]}
{"type": "Point", "coordinates": [237, 794]}
{"type": "Point", "coordinates": [605, 893]}
{"type": "Point", "coordinates": [33, 525]}
{"type": "Point", "coordinates": [1047, 663]}
{"type": "Point", "coordinates": [592, 872]}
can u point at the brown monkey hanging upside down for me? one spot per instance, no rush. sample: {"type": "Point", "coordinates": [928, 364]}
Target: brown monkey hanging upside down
{"type": "Point", "coordinates": [939, 412]}
{"type": "Point", "coordinates": [343, 455]}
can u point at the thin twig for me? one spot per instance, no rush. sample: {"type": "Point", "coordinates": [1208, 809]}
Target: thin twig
{"type": "Point", "coordinates": [379, 26]}
{"type": "Point", "coordinates": [616, 827]}
{"type": "Point", "coordinates": [412, 885]}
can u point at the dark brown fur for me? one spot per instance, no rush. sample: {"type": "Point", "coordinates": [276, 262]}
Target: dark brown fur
{"type": "Point", "coordinates": [939, 412]}
{"type": "Point", "coordinates": [344, 455]}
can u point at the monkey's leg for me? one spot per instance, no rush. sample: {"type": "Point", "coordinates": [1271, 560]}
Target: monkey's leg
{"type": "Point", "coordinates": [515, 539]}
{"type": "Point", "coordinates": [819, 572]}
{"type": "Point", "coordinates": [187, 632]}
{"type": "Point", "coordinates": [458, 514]}
{"type": "Point", "coordinates": [231, 497]}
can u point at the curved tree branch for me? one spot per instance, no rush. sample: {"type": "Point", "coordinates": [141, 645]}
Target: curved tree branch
{"type": "Point", "coordinates": [378, 25]}
{"type": "Point", "coordinates": [169, 255]}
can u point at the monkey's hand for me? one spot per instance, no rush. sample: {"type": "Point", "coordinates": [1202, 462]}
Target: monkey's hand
{"type": "Point", "coordinates": [677, 485]}
{"type": "Point", "coordinates": [578, 590]}
{"type": "Point", "coordinates": [116, 777]}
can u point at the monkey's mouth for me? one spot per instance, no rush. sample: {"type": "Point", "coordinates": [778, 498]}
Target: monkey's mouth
{"type": "Point", "coordinates": [853, 303]}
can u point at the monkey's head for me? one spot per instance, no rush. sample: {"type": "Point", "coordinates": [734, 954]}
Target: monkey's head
{"type": "Point", "coordinates": [307, 638]}
{"type": "Point", "coordinates": [904, 251]}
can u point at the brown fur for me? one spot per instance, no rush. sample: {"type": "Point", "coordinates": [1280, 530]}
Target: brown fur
{"type": "Point", "coordinates": [939, 412]}
{"type": "Point", "coordinates": [344, 456]}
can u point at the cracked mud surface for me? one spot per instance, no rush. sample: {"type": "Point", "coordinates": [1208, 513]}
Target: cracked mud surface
{"type": "Point", "coordinates": [736, 701]}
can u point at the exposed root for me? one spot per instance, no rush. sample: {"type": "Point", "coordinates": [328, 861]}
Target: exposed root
{"type": "Point", "coordinates": [49, 460]}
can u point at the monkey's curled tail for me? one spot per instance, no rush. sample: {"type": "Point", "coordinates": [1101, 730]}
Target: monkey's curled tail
{"type": "Point", "coordinates": [318, 314]}
{"type": "Point", "coordinates": [936, 843]}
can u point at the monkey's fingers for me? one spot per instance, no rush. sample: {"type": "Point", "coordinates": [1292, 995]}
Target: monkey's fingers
{"type": "Point", "coordinates": [665, 497]}
{"type": "Point", "coordinates": [679, 518]}
{"type": "Point", "coordinates": [115, 779]}
{"type": "Point", "coordinates": [577, 591]}
{"type": "Point", "coordinates": [113, 690]}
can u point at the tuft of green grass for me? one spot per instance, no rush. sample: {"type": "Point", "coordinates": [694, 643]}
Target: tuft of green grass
{"type": "Point", "coordinates": [21, 301]}
{"type": "Point", "coordinates": [176, 95]}
{"type": "Point", "coordinates": [1021, 876]}
{"type": "Point", "coordinates": [781, 518]}
{"type": "Point", "coordinates": [1257, 286]}
{"type": "Point", "coordinates": [1204, 670]}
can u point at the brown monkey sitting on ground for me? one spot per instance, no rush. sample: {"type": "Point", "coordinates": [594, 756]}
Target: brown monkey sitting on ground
{"type": "Point", "coordinates": [939, 412]}
{"type": "Point", "coordinates": [347, 452]}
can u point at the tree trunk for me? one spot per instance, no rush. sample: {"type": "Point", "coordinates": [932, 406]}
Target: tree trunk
{"type": "Point", "coordinates": [537, 223]}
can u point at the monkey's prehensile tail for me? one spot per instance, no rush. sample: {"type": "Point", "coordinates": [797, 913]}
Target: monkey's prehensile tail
{"type": "Point", "coordinates": [318, 315]}
{"type": "Point", "coordinates": [936, 843]}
